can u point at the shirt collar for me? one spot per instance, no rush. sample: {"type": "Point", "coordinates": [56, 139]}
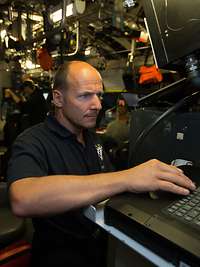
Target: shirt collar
{"type": "Point", "coordinates": [52, 123]}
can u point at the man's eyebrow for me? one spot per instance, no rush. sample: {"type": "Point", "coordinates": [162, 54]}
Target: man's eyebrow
{"type": "Point", "coordinates": [92, 92]}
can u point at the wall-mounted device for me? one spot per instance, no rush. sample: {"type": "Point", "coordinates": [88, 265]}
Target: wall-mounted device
{"type": "Point", "coordinates": [174, 29]}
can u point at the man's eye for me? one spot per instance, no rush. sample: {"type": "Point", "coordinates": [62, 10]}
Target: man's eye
{"type": "Point", "coordinates": [84, 96]}
{"type": "Point", "coordinates": [100, 96]}
{"type": "Point", "coordinates": [88, 96]}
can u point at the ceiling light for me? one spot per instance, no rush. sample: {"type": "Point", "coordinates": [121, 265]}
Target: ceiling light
{"type": "Point", "coordinates": [88, 51]}
{"type": "Point", "coordinates": [70, 10]}
{"type": "Point", "coordinates": [6, 41]}
{"type": "Point", "coordinates": [3, 34]}
{"type": "Point", "coordinates": [129, 3]}
{"type": "Point", "coordinates": [28, 64]}
{"type": "Point", "coordinates": [34, 17]}
{"type": "Point", "coordinates": [57, 15]}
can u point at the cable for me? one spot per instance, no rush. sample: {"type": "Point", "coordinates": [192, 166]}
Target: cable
{"type": "Point", "coordinates": [168, 88]}
{"type": "Point", "coordinates": [148, 129]}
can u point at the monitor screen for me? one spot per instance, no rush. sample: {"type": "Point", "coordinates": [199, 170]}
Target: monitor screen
{"type": "Point", "coordinates": [174, 28]}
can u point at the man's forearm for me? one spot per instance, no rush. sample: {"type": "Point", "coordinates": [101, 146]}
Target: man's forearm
{"type": "Point", "coordinates": [16, 98]}
{"type": "Point", "coordinates": [59, 193]}
{"type": "Point", "coordinates": [55, 194]}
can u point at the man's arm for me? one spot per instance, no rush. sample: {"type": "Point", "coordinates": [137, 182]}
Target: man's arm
{"type": "Point", "coordinates": [15, 98]}
{"type": "Point", "coordinates": [48, 195]}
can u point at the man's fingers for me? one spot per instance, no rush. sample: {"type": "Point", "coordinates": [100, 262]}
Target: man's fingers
{"type": "Point", "coordinates": [176, 175]}
{"type": "Point", "coordinates": [180, 180]}
{"type": "Point", "coordinates": [174, 188]}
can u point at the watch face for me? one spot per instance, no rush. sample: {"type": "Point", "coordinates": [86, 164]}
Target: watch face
{"type": "Point", "coordinates": [80, 6]}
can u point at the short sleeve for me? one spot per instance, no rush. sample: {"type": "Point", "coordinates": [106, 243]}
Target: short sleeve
{"type": "Point", "coordinates": [27, 160]}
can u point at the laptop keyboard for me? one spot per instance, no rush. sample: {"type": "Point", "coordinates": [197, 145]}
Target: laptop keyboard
{"type": "Point", "coordinates": [187, 209]}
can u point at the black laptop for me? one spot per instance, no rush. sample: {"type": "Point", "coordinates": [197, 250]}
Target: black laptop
{"type": "Point", "coordinates": [166, 223]}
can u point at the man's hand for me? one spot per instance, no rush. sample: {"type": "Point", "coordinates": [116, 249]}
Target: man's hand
{"type": "Point", "coordinates": [155, 175]}
{"type": "Point", "coordinates": [7, 93]}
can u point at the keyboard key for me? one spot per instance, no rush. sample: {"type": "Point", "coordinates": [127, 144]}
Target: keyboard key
{"type": "Point", "coordinates": [186, 207]}
{"type": "Point", "coordinates": [197, 223]}
{"type": "Point", "coordinates": [187, 218]}
{"type": "Point", "coordinates": [179, 213]}
{"type": "Point", "coordinates": [195, 201]}
{"type": "Point", "coordinates": [170, 210]}
{"type": "Point", "coordinates": [193, 213]}
{"type": "Point", "coordinates": [174, 207]}
{"type": "Point", "coordinates": [197, 209]}
{"type": "Point", "coordinates": [182, 211]}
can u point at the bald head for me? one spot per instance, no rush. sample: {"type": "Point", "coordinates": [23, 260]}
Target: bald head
{"type": "Point", "coordinates": [73, 73]}
{"type": "Point", "coordinates": [77, 95]}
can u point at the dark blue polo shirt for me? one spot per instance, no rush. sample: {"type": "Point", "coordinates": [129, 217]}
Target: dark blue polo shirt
{"type": "Point", "coordinates": [49, 149]}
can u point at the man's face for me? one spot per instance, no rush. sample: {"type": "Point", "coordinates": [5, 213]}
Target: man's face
{"type": "Point", "coordinates": [81, 102]}
{"type": "Point", "coordinates": [27, 91]}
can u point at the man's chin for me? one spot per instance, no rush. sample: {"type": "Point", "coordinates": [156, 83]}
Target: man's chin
{"type": "Point", "coordinates": [90, 125]}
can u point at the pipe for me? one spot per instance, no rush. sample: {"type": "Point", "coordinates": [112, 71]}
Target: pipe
{"type": "Point", "coordinates": [77, 41]}
{"type": "Point", "coordinates": [64, 5]}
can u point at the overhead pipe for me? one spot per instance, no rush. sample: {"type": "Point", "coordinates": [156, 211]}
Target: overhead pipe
{"type": "Point", "coordinates": [132, 53]}
{"type": "Point", "coordinates": [29, 28]}
{"type": "Point", "coordinates": [77, 41]}
{"type": "Point", "coordinates": [63, 20]}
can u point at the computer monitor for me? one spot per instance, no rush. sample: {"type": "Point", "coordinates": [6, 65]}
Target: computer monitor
{"type": "Point", "coordinates": [175, 137]}
{"type": "Point", "coordinates": [174, 28]}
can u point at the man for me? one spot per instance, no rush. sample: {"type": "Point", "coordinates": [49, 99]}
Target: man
{"type": "Point", "coordinates": [59, 167]}
{"type": "Point", "coordinates": [118, 129]}
{"type": "Point", "coordinates": [11, 114]}
{"type": "Point", "coordinates": [32, 104]}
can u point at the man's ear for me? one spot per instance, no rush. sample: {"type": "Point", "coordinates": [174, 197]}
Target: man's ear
{"type": "Point", "coordinates": [57, 98]}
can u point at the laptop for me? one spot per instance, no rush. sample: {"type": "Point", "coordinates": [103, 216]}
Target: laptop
{"type": "Point", "coordinates": [164, 222]}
